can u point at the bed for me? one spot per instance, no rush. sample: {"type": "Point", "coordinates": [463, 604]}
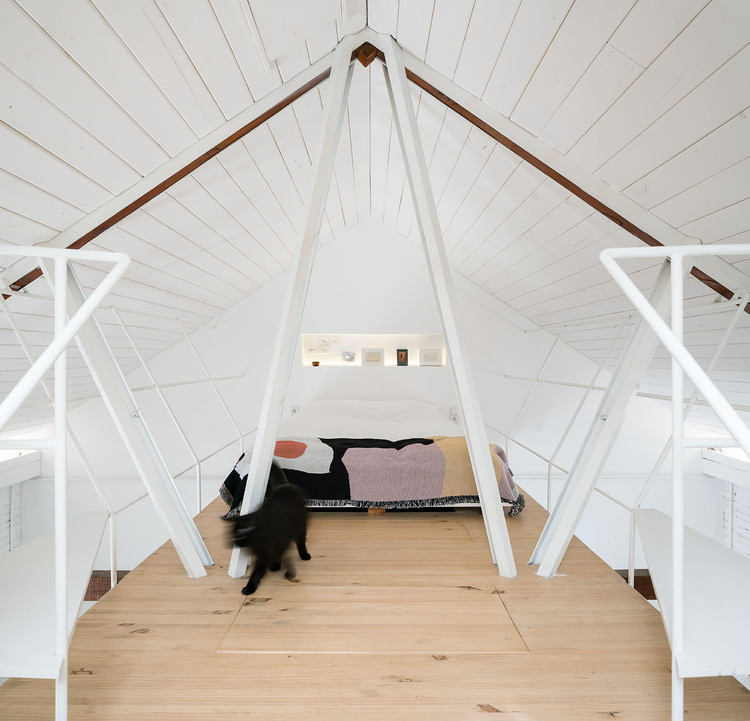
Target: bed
{"type": "Point", "coordinates": [376, 454]}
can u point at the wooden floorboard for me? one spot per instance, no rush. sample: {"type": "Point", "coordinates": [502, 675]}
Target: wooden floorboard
{"type": "Point", "coordinates": [587, 646]}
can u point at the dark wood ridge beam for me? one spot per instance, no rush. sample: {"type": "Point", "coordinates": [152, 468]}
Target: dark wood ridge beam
{"type": "Point", "coordinates": [587, 198]}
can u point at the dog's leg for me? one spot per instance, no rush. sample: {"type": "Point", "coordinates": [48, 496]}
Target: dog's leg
{"type": "Point", "coordinates": [291, 571]}
{"type": "Point", "coordinates": [302, 547]}
{"type": "Point", "coordinates": [259, 570]}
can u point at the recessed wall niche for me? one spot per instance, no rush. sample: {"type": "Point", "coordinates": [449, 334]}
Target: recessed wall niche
{"type": "Point", "coordinates": [346, 349]}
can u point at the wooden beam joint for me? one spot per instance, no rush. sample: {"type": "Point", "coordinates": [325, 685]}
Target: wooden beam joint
{"type": "Point", "coordinates": [366, 53]}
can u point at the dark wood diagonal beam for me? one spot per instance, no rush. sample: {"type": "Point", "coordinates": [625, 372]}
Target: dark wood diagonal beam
{"type": "Point", "coordinates": [551, 173]}
{"type": "Point", "coordinates": [180, 174]}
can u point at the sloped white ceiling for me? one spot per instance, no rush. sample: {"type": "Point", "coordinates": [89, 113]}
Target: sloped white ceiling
{"type": "Point", "coordinates": [649, 96]}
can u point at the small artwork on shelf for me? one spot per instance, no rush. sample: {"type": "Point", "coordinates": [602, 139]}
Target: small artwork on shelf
{"type": "Point", "coordinates": [372, 357]}
{"type": "Point", "coordinates": [402, 357]}
{"type": "Point", "coordinates": [431, 357]}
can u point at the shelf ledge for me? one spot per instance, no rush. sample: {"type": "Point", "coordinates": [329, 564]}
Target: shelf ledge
{"type": "Point", "coordinates": [27, 601]}
{"type": "Point", "coordinates": [717, 586]}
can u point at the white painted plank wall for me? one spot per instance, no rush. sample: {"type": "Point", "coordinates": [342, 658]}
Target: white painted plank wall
{"type": "Point", "coordinates": [10, 517]}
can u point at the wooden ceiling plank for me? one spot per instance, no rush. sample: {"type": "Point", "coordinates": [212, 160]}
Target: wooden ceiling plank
{"type": "Point", "coordinates": [36, 118]}
{"type": "Point", "coordinates": [234, 25]}
{"type": "Point", "coordinates": [610, 74]}
{"type": "Point", "coordinates": [711, 155]}
{"type": "Point", "coordinates": [543, 201]}
{"type": "Point", "coordinates": [533, 29]}
{"type": "Point", "coordinates": [586, 186]}
{"type": "Point", "coordinates": [36, 204]}
{"type": "Point", "coordinates": [721, 224]}
{"type": "Point", "coordinates": [558, 222]}
{"type": "Point", "coordinates": [157, 49]}
{"type": "Point", "coordinates": [382, 16]}
{"type": "Point", "coordinates": [222, 258]}
{"type": "Point", "coordinates": [450, 23]}
{"type": "Point", "coordinates": [176, 269]}
{"type": "Point", "coordinates": [711, 104]}
{"type": "Point", "coordinates": [255, 237]}
{"type": "Point", "coordinates": [381, 121]}
{"type": "Point", "coordinates": [293, 62]}
{"type": "Point", "coordinates": [149, 297]}
{"type": "Point", "coordinates": [463, 181]}
{"type": "Point", "coordinates": [578, 42]}
{"type": "Point", "coordinates": [178, 167]}
{"type": "Point", "coordinates": [86, 37]}
{"type": "Point", "coordinates": [500, 166]}
{"type": "Point", "coordinates": [308, 114]}
{"type": "Point", "coordinates": [520, 185]}
{"type": "Point", "coordinates": [264, 151]}
{"type": "Point", "coordinates": [358, 110]}
{"type": "Point", "coordinates": [487, 32]}
{"type": "Point", "coordinates": [33, 164]}
{"type": "Point", "coordinates": [453, 139]}
{"type": "Point", "coordinates": [343, 173]}
{"type": "Point", "coordinates": [578, 256]}
{"type": "Point", "coordinates": [430, 118]}
{"type": "Point", "coordinates": [680, 68]}
{"type": "Point", "coordinates": [17, 229]}
{"type": "Point", "coordinates": [414, 22]}
{"type": "Point", "coordinates": [588, 282]}
{"type": "Point", "coordinates": [238, 165]}
{"type": "Point", "coordinates": [55, 76]}
{"type": "Point", "coordinates": [395, 187]}
{"type": "Point", "coordinates": [651, 27]}
{"type": "Point", "coordinates": [197, 28]}
{"type": "Point", "coordinates": [226, 238]}
{"type": "Point", "coordinates": [726, 188]}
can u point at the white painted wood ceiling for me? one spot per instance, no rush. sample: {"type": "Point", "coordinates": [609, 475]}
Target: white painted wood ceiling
{"type": "Point", "coordinates": [650, 96]}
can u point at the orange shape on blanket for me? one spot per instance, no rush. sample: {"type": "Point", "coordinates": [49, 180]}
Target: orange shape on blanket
{"type": "Point", "coordinates": [289, 449]}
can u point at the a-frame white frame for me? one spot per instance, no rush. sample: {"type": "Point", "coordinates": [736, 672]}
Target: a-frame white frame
{"type": "Point", "coordinates": [439, 271]}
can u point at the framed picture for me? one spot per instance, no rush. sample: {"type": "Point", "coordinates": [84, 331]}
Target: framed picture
{"type": "Point", "coordinates": [372, 357]}
{"type": "Point", "coordinates": [431, 357]}
{"type": "Point", "coordinates": [402, 357]}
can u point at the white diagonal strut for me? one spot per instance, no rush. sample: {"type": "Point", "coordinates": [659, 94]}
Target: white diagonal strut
{"type": "Point", "coordinates": [556, 535]}
{"type": "Point", "coordinates": [437, 265]}
{"type": "Point", "coordinates": [291, 318]}
{"type": "Point", "coordinates": [137, 437]}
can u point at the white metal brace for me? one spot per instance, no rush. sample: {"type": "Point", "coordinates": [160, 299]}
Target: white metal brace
{"type": "Point", "coordinates": [440, 275]}
{"type": "Point", "coordinates": [137, 437]}
{"type": "Point", "coordinates": [439, 271]}
{"type": "Point", "coordinates": [291, 318]}
{"type": "Point", "coordinates": [556, 535]}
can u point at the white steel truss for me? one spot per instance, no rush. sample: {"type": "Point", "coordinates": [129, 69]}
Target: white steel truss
{"type": "Point", "coordinates": [557, 532]}
{"type": "Point", "coordinates": [439, 271]}
{"type": "Point", "coordinates": [138, 439]}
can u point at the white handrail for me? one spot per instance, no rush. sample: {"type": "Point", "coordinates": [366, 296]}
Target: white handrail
{"type": "Point", "coordinates": [26, 384]}
{"type": "Point", "coordinates": [55, 353]}
{"type": "Point", "coordinates": [682, 362]}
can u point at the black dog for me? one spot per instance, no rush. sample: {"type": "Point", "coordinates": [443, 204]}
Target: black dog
{"type": "Point", "coordinates": [268, 532]}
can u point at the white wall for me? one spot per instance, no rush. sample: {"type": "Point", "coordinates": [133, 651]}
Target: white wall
{"type": "Point", "coordinates": [372, 280]}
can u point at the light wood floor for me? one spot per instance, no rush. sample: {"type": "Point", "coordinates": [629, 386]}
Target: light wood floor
{"type": "Point", "coordinates": [357, 636]}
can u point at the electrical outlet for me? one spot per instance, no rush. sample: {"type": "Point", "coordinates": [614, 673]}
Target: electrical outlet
{"type": "Point", "coordinates": [294, 410]}
{"type": "Point", "coordinates": [453, 415]}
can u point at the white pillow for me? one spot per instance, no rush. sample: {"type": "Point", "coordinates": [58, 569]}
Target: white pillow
{"type": "Point", "coordinates": [391, 420]}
